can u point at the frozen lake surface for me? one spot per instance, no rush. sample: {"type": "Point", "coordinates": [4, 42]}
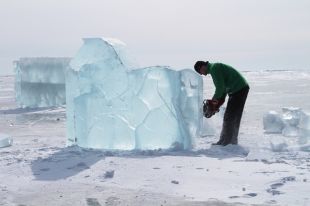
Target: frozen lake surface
{"type": "Point", "coordinates": [38, 169]}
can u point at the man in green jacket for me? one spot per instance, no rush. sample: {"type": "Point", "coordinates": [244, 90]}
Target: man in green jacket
{"type": "Point", "coordinates": [229, 81]}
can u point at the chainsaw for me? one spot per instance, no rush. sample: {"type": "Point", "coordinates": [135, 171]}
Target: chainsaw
{"type": "Point", "coordinates": [210, 107]}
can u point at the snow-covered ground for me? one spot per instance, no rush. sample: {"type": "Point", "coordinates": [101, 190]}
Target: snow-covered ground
{"type": "Point", "coordinates": [38, 169]}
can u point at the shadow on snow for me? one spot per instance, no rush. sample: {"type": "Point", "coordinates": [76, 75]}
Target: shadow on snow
{"type": "Point", "coordinates": [70, 161]}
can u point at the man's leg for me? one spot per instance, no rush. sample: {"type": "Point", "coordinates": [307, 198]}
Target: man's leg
{"type": "Point", "coordinates": [232, 117]}
{"type": "Point", "coordinates": [227, 127]}
{"type": "Point", "coordinates": [241, 96]}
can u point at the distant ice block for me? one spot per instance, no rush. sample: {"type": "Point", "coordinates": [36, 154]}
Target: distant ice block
{"type": "Point", "coordinates": [291, 115]}
{"type": "Point", "coordinates": [5, 140]}
{"type": "Point", "coordinates": [304, 128]}
{"type": "Point", "coordinates": [273, 122]}
{"type": "Point", "coordinates": [110, 106]}
{"type": "Point", "coordinates": [40, 82]}
{"type": "Point", "coordinates": [291, 118]}
{"type": "Point", "coordinates": [304, 122]}
{"type": "Point", "coordinates": [293, 122]}
{"type": "Point", "coordinates": [290, 131]}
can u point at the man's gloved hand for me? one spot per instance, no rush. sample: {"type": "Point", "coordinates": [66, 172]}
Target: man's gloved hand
{"type": "Point", "coordinates": [209, 113]}
{"type": "Point", "coordinates": [210, 107]}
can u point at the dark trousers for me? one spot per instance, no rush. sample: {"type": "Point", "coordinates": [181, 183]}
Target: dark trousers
{"type": "Point", "coordinates": [232, 117]}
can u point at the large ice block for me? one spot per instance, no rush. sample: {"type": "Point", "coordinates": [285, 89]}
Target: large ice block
{"type": "Point", "coordinates": [40, 82]}
{"type": "Point", "coordinates": [112, 106]}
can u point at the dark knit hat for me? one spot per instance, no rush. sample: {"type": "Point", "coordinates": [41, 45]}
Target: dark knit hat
{"type": "Point", "coordinates": [199, 64]}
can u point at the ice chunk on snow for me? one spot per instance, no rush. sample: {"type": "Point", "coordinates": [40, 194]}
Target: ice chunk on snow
{"type": "Point", "coordinates": [304, 128]}
{"type": "Point", "coordinates": [304, 122]}
{"type": "Point", "coordinates": [5, 140]}
{"type": "Point", "coordinates": [112, 107]}
{"type": "Point", "coordinates": [290, 124]}
{"type": "Point", "coordinates": [290, 131]}
{"type": "Point", "coordinates": [293, 123]}
{"type": "Point", "coordinates": [40, 82]}
{"type": "Point", "coordinates": [273, 123]}
{"type": "Point", "coordinates": [291, 115]}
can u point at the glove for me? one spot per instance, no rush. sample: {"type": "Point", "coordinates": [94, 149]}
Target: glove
{"type": "Point", "coordinates": [210, 107]}
{"type": "Point", "coordinates": [220, 102]}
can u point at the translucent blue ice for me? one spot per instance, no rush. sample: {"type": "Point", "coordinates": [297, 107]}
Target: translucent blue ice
{"type": "Point", "coordinates": [5, 140]}
{"type": "Point", "coordinates": [111, 106]}
{"type": "Point", "coordinates": [40, 82]}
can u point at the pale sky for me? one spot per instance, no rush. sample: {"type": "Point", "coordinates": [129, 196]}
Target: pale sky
{"type": "Point", "coordinates": [247, 34]}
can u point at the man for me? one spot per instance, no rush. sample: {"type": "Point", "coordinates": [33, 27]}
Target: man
{"type": "Point", "coordinates": [229, 81]}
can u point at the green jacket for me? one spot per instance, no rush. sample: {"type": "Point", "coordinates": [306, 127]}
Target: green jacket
{"type": "Point", "coordinates": [226, 80]}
